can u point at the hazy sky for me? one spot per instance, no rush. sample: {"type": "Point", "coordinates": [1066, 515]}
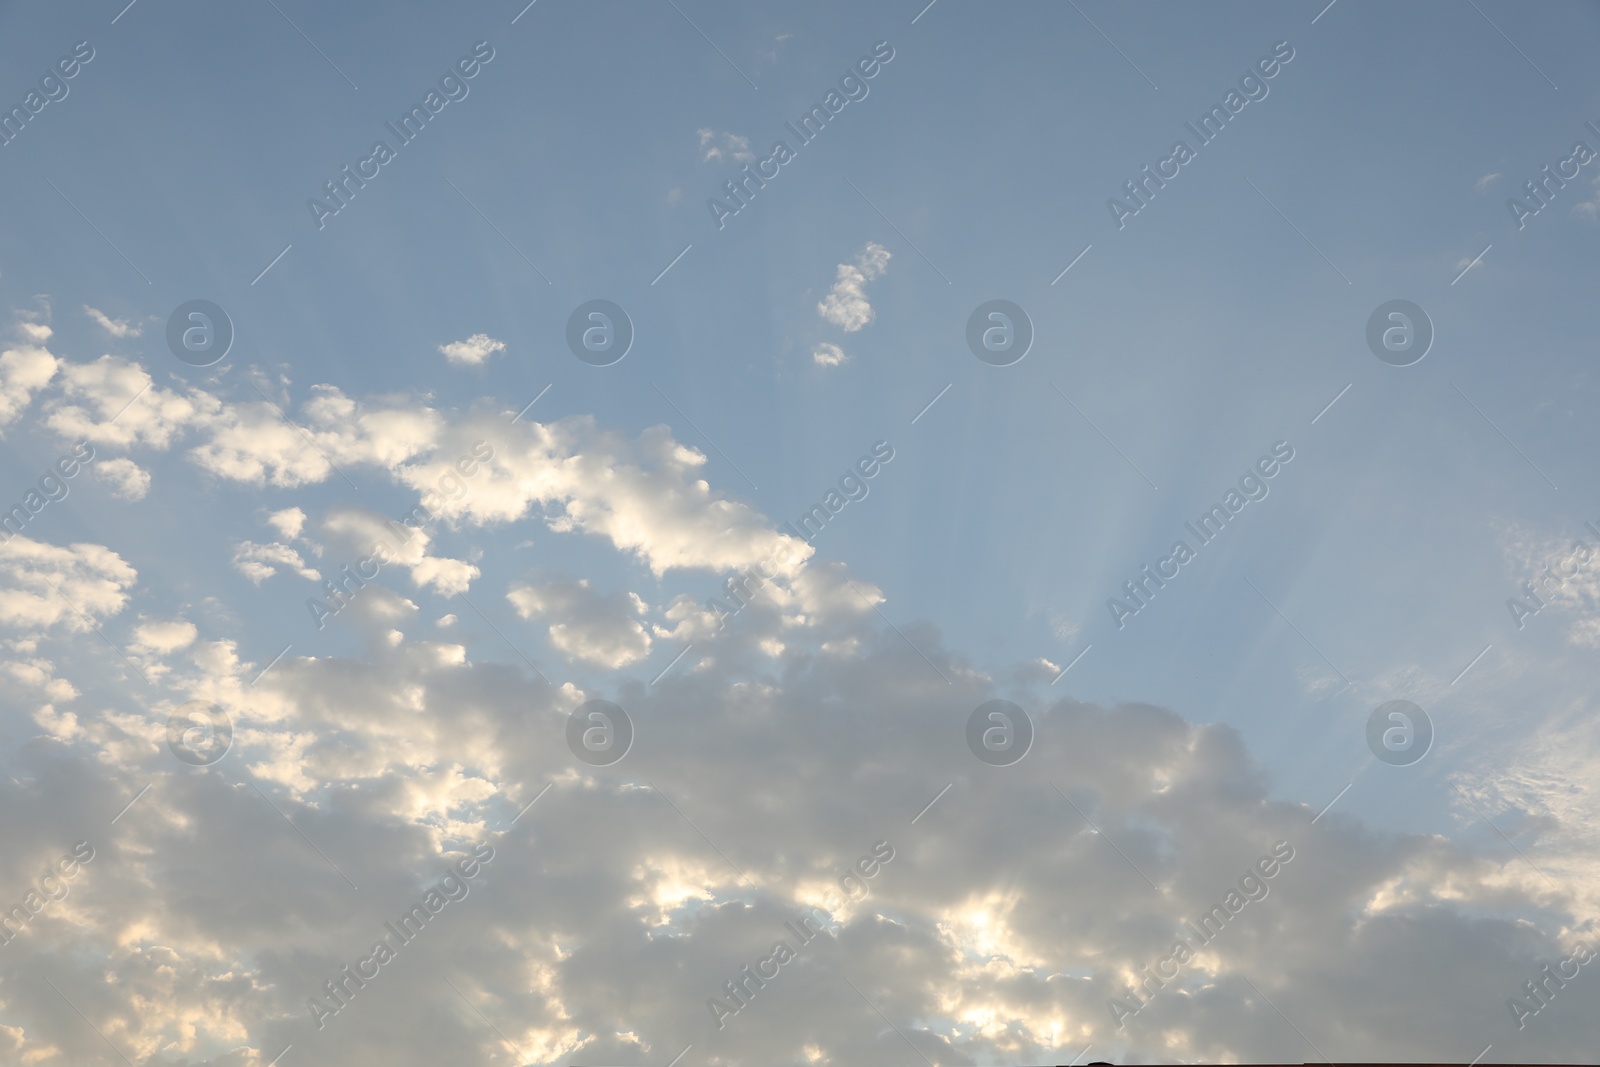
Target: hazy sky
{"type": "Point", "coordinates": [380, 385]}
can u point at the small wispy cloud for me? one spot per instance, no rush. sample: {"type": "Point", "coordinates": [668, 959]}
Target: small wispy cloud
{"type": "Point", "coordinates": [33, 323]}
{"type": "Point", "coordinates": [724, 145]}
{"type": "Point", "coordinates": [1483, 184]}
{"type": "Point", "coordinates": [829, 355]}
{"type": "Point", "coordinates": [115, 327]}
{"type": "Point", "coordinates": [1590, 209]}
{"type": "Point", "coordinates": [771, 54]}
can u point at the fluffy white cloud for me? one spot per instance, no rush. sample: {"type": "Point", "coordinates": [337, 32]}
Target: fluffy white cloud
{"type": "Point", "coordinates": [258, 562]}
{"type": "Point", "coordinates": [354, 534]}
{"type": "Point", "coordinates": [846, 305]}
{"type": "Point", "coordinates": [256, 443]}
{"type": "Point", "coordinates": [44, 585]}
{"type": "Point", "coordinates": [114, 402]}
{"type": "Point", "coordinates": [473, 351]}
{"type": "Point", "coordinates": [24, 370]}
{"type": "Point", "coordinates": [1001, 929]}
{"type": "Point", "coordinates": [288, 522]}
{"type": "Point", "coordinates": [645, 495]}
{"type": "Point", "coordinates": [584, 625]}
{"type": "Point", "coordinates": [128, 480]}
{"type": "Point", "coordinates": [165, 635]}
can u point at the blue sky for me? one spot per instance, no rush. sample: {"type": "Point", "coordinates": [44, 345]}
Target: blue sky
{"type": "Point", "coordinates": [770, 354]}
